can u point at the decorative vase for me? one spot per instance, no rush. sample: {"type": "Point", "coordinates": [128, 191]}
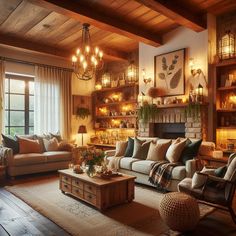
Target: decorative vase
{"type": "Point", "coordinates": [90, 170]}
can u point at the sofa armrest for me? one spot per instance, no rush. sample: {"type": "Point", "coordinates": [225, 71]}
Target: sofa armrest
{"type": "Point", "coordinates": [191, 167]}
{"type": "Point", "coordinates": [109, 153]}
{"type": "Point", "coordinates": [6, 155]}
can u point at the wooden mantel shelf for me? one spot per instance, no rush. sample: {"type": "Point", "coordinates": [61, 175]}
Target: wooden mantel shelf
{"type": "Point", "coordinates": [178, 105]}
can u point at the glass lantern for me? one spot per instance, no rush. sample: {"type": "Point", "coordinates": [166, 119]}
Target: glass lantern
{"type": "Point", "coordinates": [227, 46]}
{"type": "Point", "coordinates": [106, 80]}
{"type": "Point", "coordinates": [132, 73]}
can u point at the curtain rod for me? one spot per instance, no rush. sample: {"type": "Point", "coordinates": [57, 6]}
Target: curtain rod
{"type": "Point", "coordinates": [32, 63]}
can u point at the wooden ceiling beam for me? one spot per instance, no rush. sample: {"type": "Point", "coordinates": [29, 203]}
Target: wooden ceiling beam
{"type": "Point", "coordinates": [102, 19]}
{"type": "Point", "coordinates": [177, 12]}
{"type": "Point", "coordinates": [10, 40]}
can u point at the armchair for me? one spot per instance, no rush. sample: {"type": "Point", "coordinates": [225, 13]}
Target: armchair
{"type": "Point", "coordinates": [216, 191]}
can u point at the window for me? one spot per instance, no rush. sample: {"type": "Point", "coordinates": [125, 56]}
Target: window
{"type": "Point", "coordinates": [19, 104]}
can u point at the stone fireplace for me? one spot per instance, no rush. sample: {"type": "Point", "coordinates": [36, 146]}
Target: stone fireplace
{"type": "Point", "coordinates": [171, 122]}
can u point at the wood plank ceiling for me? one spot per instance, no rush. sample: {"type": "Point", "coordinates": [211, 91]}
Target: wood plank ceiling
{"type": "Point", "coordinates": [42, 26]}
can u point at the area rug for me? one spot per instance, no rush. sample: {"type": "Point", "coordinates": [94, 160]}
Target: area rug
{"type": "Point", "coordinates": [139, 218]}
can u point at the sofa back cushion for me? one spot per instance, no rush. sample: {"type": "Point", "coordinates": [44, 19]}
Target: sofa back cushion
{"type": "Point", "coordinates": [28, 146]}
{"type": "Point", "coordinates": [190, 150]}
{"type": "Point", "coordinates": [51, 144]}
{"type": "Point", "coordinates": [10, 142]}
{"type": "Point", "coordinates": [175, 150]}
{"type": "Point", "coordinates": [157, 150]}
{"type": "Point", "coordinates": [121, 148]}
{"type": "Point", "coordinates": [130, 148]}
{"type": "Point", "coordinates": [141, 148]}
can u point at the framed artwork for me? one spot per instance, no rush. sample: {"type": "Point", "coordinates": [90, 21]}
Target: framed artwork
{"type": "Point", "coordinates": [170, 73]}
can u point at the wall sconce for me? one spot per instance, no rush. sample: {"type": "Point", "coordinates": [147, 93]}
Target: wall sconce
{"type": "Point", "coordinates": [145, 79]}
{"type": "Point", "coordinates": [199, 93]}
{"type": "Point", "coordinates": [132, 73]}
{"type": "Point", "coordinates": [194, 71]}
{"type": "Point", "coordinates": [227, 46]}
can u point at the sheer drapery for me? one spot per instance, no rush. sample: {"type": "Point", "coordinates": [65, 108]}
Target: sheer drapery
{"type": "Point", "coordinates": [2, 94]}
{"type": "Point", "coordinates": [52, 101]}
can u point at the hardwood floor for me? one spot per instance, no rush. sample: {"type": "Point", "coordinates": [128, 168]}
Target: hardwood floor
{"type": "Point", "coordinates": [18, 219]}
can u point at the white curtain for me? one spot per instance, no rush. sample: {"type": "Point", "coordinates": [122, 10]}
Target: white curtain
{"type": "Point", "coordinates": [52, 101]}
{"type": "Point", "coordinates": [2, 95]}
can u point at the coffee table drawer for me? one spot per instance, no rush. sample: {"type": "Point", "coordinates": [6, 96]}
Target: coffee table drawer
{"type": "Point", "coordinates": [77, 192]}
{"type": "Point", "coordinates": [65, 187]}
{"type": "Point", "coordinates": [90, 198]}
{"type": "Point", "coordinates": [77, 183]}
{"type": "Point", "coordinates": [66, 179]}
{"type": "Point", "coordinates": [90, 188]}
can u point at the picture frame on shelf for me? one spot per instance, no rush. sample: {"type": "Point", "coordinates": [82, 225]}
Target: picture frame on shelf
{"type": "Point", "coordinates": [170, 73]}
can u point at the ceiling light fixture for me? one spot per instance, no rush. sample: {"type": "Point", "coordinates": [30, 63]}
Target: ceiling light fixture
{"type": "Point", "coordinates": [87, 59]}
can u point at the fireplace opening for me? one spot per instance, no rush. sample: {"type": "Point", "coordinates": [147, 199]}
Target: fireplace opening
{"type": "Point", "coordinates": [168, 130]}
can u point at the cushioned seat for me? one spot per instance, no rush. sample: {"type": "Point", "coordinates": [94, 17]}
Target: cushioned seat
{"type": "Point", "coordinates": [57, 156]}
{"type": "Point", "coordinates": [179, 172]}
{"type": "Point", "coordinates": [126, 162]}
{"type": "Point", "coordinates": [29, 159]}
{"type": "Point", "coordinates": [143, 166]}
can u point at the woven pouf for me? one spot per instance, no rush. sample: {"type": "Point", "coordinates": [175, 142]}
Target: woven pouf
{"type": "Point", "coordinates": [179, 211]}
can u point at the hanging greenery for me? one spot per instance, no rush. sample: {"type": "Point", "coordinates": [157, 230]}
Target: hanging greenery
{"type": "Point", "coordinates": [147, 112]}
{"type": "Point", "coordinates": [82, 112]}
{"type": "Point", "coordinates": [193, 110]}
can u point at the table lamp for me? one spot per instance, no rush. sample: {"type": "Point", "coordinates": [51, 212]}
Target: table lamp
{"type": "Point", "coordinates": [82, 130]}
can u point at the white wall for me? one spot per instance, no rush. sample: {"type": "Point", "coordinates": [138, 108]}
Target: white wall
{"type": "Point", "coordinates": [195, 43]}
{"type": "Point", "coordinates": [84, 88]}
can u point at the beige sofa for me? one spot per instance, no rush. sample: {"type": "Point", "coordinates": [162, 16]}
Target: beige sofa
{"type": "Point", "coordinates": [141, 168]}
{"type": "Point", "coordinates": [21, 164]}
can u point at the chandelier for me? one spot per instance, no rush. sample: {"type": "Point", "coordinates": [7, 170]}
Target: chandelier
{"type": "Point", "coordinates": [87, 59]}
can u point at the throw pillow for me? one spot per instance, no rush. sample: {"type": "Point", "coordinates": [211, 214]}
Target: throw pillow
{"type": "Point", "coordinates": [51, 144]}
{"type": "Point", "coordinates": [57, 136]}
{"type": "Point", "coordinates": [157, 151]}
{"type": "Point", "coordinates": [141, 148]}
{"type": "Point", "coordinates": [28, 146]}
{"type": "Point", "coordinates": [175, 149]}
{"type": "Point", "coordinates": [65, 146]}
{"type": "Point", "coordinates": [121, 148]}
{"type": "Point", "coordinates": [199, 180]}
{"type": "Point", "coordinates": [40, 139]}
{"type": "Point", "coordinates": [130, 148]}
{"type": "Point", "coordinates": [220, 172]}
{"type": "Point", "coordinates": [10, 142]}
{"type": "Point", "coordinates": [190, 150]}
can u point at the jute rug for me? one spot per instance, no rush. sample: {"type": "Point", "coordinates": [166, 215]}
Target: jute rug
{"type": "Point", "coordinates": [141, 217]}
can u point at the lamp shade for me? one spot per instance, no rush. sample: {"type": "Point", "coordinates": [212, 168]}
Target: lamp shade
{"type": "Point", "coordinates": [82, 129]}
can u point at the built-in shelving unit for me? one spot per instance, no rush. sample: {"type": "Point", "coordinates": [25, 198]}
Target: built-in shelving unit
{"type": "Point", "coordinates": [225, 72]}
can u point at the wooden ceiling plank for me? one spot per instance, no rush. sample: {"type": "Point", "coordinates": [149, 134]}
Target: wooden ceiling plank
{"type": "Point", "coordinates": [6, 8]}
{"type": "Point", "coordinates": [19, 22]}
{"type": "Point", "coordinates": [176, 12]}
{"type": "Point", "coordinates": [45, 49]}
{"type": "Point", "coordinates": [103, 20]}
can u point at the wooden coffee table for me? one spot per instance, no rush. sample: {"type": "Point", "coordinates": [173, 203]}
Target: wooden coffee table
{"type": "Point", "coordinates": [99, 192]}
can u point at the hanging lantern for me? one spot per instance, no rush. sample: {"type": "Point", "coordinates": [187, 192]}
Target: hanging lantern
{"type": "Point", "coordinates": [132, 73]}
{"type": "Point", "coordinates": [227, 46]}
{"type": "Point", "coordinates": [106, 80]}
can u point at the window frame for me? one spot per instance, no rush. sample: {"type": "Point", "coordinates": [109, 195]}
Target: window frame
{"type": "Point", "coordinates": [26, 94]}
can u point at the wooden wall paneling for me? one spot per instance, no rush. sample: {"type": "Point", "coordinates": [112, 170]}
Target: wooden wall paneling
{"type": "Point", "coordinates": [19, 22]}
{"type": "Point", "coordinates": [81, 101]}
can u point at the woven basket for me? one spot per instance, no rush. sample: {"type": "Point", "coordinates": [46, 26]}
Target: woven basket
{"type": "Point", "coordinates": [179, 211]}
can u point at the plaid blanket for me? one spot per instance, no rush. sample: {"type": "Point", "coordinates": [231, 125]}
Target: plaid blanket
{"type": "Point", "coordinates": [160, 174]}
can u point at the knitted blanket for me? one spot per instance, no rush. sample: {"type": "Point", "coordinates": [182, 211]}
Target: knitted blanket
{"type": "Point", "coordinates": [161, 173]}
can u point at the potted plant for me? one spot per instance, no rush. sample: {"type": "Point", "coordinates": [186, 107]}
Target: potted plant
{"type": "Point", "coordinates": [82, 112]}
{"type": "Point", "coordinates": [193, 110]}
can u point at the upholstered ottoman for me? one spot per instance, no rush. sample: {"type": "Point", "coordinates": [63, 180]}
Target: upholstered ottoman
{"type": "Point", "coordinates": [179, 211]}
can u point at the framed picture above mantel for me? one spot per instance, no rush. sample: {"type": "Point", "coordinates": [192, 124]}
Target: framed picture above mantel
{"type": "Point", "coordinates": [170, 73]}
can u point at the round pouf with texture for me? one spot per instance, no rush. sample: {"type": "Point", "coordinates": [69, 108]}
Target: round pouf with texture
{"type": "Point", "coordinates": [179, 211]}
